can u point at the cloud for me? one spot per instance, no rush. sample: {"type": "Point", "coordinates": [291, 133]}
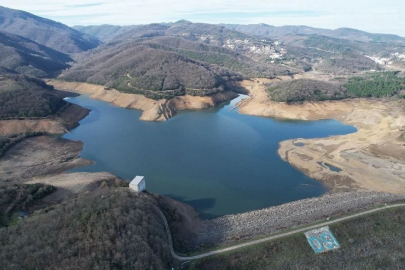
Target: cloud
{"type": "Point", "coordinates": [368, 15]}
{"type": "Point", "coordinates": [224, 16]}
{"type": "Point", "coordinates": [84, 5]}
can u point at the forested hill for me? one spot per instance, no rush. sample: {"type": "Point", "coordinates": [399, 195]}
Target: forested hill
{"type": "Point", "coordinates": [162, 67]}
{"type": "Point", "coordinates": [110, 228]}
{"type": "Point", "coordinates": [24, 96]}
{"type": "Point", "coordinates": [45, 32]}
{"type": "Point", "coordinates": [30, 58]}
{"type": "Point", "coordinates": [378, 85]}
{"type": "Point", "coordinates": [144, 69]}
{"type": "Point", "coordinates": [105, 32]}
{"type": "Point", "coordinates": [271, 31]}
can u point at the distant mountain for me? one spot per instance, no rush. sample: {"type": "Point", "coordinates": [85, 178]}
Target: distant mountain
{"type": "Point", "coordinates": [45, 32]}
{"type": "Point", "coordinates": [146, 58]}
{"type": "Point", "coordinates": [292, 48]}
{"type": "Point", "coordinates": [332, 55]}
{"type": "Point", "coordinates": [266, 30]}
{"type": "Point", "coordinates": [105, 32]}
{"type": "Point", "coordinates": [200, 32]}
{"type": "Point", "coordinates": [28, 57]}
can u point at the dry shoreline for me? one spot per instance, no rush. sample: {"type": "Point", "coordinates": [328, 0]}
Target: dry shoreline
{"type": "Point", "coordinates": [372, 159]}
{"type": "Point", "coordinates": [153, 110]}
{"type": "Point", "coordinates": [45, 159]}
{"type": "Point", "coordinates": [67, 120]}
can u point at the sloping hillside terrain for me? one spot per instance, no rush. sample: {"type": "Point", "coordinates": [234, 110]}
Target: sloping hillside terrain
{"type": "Point", "coordinates": [263, 29]}
{"type": "Point", "coordinates": [23, 96]}
{"type": "Point", "coordinates": [105, 32]}
{"type": "Point", "coordinates": [45, 32]}
{"type": "Point", "coordinates": [265, 50]}
{"type": "Point", "coordinates": [107, 229]}
{"type": "Point", "coordinates": [30, 58]}
{"type": "Point", "coordinates": [172, 65]}
{"type": "Point", "coordinates": [377, 85]}
{"type": "Point", "coordinates": [141, 68]}
{"type": "Point", "coordinates": [177, 58]}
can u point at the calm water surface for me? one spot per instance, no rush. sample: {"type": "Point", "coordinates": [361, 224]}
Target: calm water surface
{"type": "Point", "coordinates": [217, 160]}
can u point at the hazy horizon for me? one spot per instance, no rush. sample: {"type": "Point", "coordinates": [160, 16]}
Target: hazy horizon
{"type": "Point", "coordinates": [370, 16]}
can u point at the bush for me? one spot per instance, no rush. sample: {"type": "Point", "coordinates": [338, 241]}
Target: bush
{"type": "Point", "coordinates": [303, 89]}
{"type": "Point", "coordinates": [23, 96]}
{"type": "Point", "coordinates": [106, 229]}
{"type": "Point", "coordinates": [381, 84]}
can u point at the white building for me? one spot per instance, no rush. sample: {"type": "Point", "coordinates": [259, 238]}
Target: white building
{"type": "Point", "coordinates": [138, 184]}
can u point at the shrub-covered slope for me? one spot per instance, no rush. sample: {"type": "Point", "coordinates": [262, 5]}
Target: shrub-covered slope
{"type": "Point", "coordinates": [304, 89]}
{"type": "Point", "coordinates": [378, 84]}
{"type": "Point", "coordinates": [166, 66]}
{"type": "Point", "coordinates": [106, 229]}
{"type": "Point", "coordinates": [30, 58]}
{"type": "Point", "coordinates": [382, 84]}
{"type": "Point", "coordinates": [19, 198]}
{"type": "Point", "coordinates": [266, 30]}
{"type": "Point", "coordinates": [46, 32]}
{"type": "Point", "coordinates": [23, 96]}
{"type": "Point", "coordinates": [141, 68]}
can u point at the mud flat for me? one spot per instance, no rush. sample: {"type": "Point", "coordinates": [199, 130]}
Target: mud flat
{"type": "Point", "coordinates": [40, 156]}
{"type": "Point", "coordinates": [372, 159]}
{"type": "Point", "coordinates": [75, 183]}
{"type": "Point", "coordinates": [153, 110]}
{"type": "Point", "coordinates": [43, 159]}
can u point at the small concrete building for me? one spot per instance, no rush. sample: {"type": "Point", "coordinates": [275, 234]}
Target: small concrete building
{"type": "Point", "coordinates": [138, 184]}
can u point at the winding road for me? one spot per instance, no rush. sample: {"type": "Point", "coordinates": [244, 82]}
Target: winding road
{"type": "Point", "coordinates": [254, 242]}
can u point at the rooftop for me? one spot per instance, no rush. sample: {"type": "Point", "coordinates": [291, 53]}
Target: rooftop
{"type": "Point", "coordinates": [137, 180]}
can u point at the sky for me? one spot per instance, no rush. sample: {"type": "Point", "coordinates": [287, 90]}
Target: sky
{"type": "Point", "coordinates": [376, 16]}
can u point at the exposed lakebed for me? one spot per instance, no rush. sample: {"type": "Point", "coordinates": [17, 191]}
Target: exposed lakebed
{"type": "Point", "coordinates": [217, 160]}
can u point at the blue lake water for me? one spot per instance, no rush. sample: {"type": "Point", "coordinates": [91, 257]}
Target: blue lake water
{"type": "Point", "coordinates": [217, 160]}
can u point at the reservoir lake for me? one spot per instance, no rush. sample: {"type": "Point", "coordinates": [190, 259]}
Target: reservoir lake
{"type": "Point", "coordinates": [217, 160]}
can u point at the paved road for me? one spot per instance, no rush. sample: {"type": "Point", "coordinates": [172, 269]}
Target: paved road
{"type": "Point", "coordinates": [254, 242]}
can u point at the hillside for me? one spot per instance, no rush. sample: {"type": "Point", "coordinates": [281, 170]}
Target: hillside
{"type": "Point", "coordinates": [110, 228]}
{"type": "Point", "coordinates": [16, 198]}
{"type": "Point", "coordinates": [292, 48]}
{"type": "Point", "coordinates": [45, 32]}
{"type": "Point", "coordinates": [141, 68]}
{"type": "Point", "coordinates": [332, 55]}
{"type": "Point", "coordinates": [162, 67]}
{"type": "Point", "coordinates": [378, 85]}
{"type": "Point", "coordinates": [383, 84]}
{"type": "Point", "coordinates": [266, 30]}
{"type": "Point", "coordinates": [105, 32]}
{"type": "Point", "coordinates": [202, 32]}
{"type": "Point", "coordinates": [340, 51]}
{"type": "Point", "coordinates": [258, 49]}
{"type": "Point", "coordinates": [30, 58]}
{"type": "Point", "coordinates": [305, 89]}
{"type": "Point", "coordinates": [23, 96]}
